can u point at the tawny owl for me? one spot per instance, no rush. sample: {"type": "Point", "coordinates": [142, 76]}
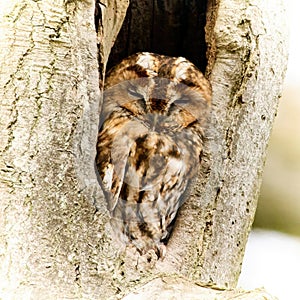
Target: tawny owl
{"type": "Point", "coordinates": [154, 113]}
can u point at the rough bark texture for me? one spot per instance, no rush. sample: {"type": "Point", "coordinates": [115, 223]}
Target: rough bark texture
{"type": "Point", "coordinates": [50, 235]}
{"type": "Point", "coordinates": [178, 288]}
{"type": "Point", "coordinates": [110, 16]}
{"type": "Point", "coordinates": [53, 242]}
{"type": "Point", "coordinates": [250, 62]}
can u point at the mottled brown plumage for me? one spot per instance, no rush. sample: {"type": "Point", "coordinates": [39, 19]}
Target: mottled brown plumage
{"type": "Point", "coordinates": [154, 113]}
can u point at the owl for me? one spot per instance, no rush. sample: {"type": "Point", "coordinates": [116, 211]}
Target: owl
{"type": "Point", "coordinates": [155, 109]}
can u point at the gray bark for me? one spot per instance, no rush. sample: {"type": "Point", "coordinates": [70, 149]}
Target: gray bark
{"type": "Point", "coordinates": [49, 236]}
{"type": "Point", "coordinates": [178, 288]}
{"type": "Point", "coordinates": [53, 243]}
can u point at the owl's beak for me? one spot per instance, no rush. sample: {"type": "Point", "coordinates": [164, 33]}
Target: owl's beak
{"type": "Point", "coordinates": [154, 121]}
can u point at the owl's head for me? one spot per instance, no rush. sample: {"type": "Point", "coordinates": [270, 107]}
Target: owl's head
{"type": "Point", "coordinates": [157, 85]}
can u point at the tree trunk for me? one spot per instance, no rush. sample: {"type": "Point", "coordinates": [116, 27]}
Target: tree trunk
{"type": "Point", "coordinates": [55, 237]}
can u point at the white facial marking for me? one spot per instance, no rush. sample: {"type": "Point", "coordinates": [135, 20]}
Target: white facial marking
{"type": "Point", "coordinates": [147, 61]}
{"type": "Point", "coordinates": [184, 65]}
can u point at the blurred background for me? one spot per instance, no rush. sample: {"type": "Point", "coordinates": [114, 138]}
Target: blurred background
{"type": "Point", "coordinates": [272, 258]}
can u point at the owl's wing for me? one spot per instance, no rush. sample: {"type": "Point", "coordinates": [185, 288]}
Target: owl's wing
{"type": "Point", "coordinates": [115, 140]}
{"type": "Point", "coordinates": [157, 173]}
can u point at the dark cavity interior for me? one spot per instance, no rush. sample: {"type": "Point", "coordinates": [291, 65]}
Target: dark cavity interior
{"type": "Point", "coordinates": [169, 27]}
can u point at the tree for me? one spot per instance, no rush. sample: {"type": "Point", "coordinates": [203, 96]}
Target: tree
{"type": "Point", "coordinates": [54, 243]}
